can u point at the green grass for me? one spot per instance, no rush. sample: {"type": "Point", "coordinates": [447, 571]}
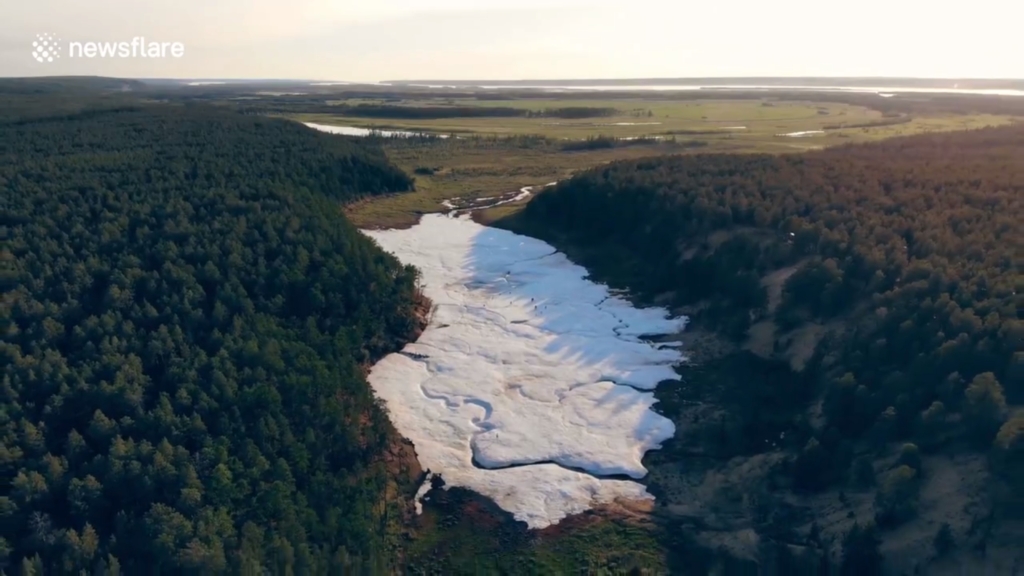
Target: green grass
{"type": "Point", "coordinates": [669, 116]}
{"type": "Point", "coordinates": [607, 547]}
{"type": "Point", "coordinates": [763, 120]}
{"type": "Point", "coordinates": [474, 169]}
{"type": "Point", "coordinates": [463, 533]}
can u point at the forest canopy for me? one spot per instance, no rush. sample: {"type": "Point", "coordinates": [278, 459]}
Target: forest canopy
{"type": "Point", "coordinates": [186, 318]}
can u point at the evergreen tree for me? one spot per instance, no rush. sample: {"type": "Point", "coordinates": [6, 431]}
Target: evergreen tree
{"type": "Point", "coordinates": [860, 552]}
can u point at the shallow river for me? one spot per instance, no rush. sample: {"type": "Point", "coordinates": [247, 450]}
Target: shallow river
{"type": "Point", "coordinates": [531, 384]}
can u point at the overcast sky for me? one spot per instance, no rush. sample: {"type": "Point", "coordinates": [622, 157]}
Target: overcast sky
{"type": "Point", "coordinates": [372, 40]}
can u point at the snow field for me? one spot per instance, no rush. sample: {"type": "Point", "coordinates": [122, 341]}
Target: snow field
{"type": "Point", "coordinates": [530, 384]}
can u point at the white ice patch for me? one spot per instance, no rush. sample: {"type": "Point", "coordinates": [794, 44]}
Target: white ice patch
{"type": "Point", "coordinates": [802, 133]}
{"type": "Point", "coordinates": [527, 364]}
{"type": "Point", "coordinates": [421, 493]}
{"type": "Point", "coordinates": [523, 194]}
{"type": "Point", "coordinates": [643, 138]}
{"type": "Point", "coordinates": [357, 131]}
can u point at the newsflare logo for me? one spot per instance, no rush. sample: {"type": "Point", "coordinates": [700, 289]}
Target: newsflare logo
{"type": "Point", "coordinates": [48, 48]}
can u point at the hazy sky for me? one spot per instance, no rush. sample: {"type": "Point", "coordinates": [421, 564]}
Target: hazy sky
{"type": "Point", "coordinates": [509, 39]}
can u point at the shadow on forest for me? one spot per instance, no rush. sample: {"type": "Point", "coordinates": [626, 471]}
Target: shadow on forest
{"type": "Point", "coordinates": [505, 265]}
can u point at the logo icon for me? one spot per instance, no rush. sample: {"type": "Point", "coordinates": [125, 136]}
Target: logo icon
{"type": "Point", "coordinates": [45, 48]}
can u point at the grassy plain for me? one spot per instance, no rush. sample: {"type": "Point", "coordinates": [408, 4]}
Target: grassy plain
{"type": "Point", "coordinates": [477, 168]}
{"type": "Point", "coordinates": [493, 156]}
{"type": "Point", "coordinates": [759, 120]}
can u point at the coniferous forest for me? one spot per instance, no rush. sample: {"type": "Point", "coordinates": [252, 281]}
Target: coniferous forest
{"type": "Point", "coordinates": [187, 318]}
{"type": "Point", "coordinates": [908, 254]}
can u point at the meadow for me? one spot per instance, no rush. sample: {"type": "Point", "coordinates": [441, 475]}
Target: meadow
{"type": "Point", "coordinates": [476, 168]}
{"type": "Point", "coordinates": [759, 122]}
{"type": "Point", "coordinates": [494, 155]}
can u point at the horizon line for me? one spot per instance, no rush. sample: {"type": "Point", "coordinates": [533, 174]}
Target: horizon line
{"type": "Point", "coordinates": [525, 80]}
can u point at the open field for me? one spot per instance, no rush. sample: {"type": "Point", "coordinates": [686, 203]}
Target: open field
{"type": "Point", "coordinates": [761, 121]}
{"type": "Point", "coordinates": [497, 155]}
{"type": "Point", "coordinates": [477, 168]}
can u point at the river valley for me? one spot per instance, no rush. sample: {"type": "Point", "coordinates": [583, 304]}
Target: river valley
{"type": "Point", "coordinates": [531, 385]}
